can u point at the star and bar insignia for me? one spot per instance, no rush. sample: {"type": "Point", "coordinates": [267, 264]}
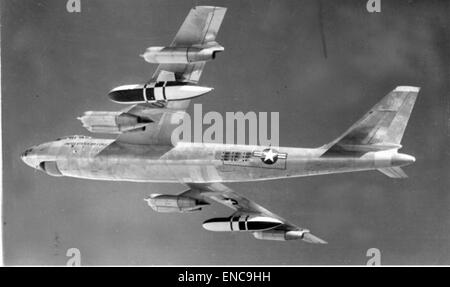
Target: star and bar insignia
{"type": "Point", "coordinates": [269, 155]}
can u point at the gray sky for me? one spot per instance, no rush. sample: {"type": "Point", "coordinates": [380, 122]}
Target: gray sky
{"type": "Point", "coordinates": [56, 65]}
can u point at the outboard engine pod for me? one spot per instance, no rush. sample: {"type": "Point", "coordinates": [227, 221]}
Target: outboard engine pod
{"type": "Point", "coordinates": [280, 235]}
{"type": "Point", "coordinates": [180, 55]}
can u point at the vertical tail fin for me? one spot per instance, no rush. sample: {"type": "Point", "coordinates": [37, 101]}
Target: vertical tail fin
{"type": "Point", "coordinates": [381, 128]}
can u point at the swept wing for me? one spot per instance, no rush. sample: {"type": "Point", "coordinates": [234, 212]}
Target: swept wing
{"type": "Point", "coordinates": [199, 28]}
{"type": "Point", "coordinates": [242, 206]}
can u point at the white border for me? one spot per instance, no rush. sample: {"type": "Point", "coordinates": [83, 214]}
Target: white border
{"type": "Point", "coordinates": [1, 155]}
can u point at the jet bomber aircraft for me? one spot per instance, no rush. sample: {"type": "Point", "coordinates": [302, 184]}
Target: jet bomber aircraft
{"type": "Point", "coordinates": [143, 150]}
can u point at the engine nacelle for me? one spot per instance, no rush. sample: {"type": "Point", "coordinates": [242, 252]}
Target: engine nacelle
{"type": "Point", "coordinates": [241, 223]}
{"type": "Point", "coordinates": [112, 122]}
{"type": "Point", "coordinates": [174, 203]}
{"type": "Point", "coordinates": [50, 167]}
{"type": "Point", "coordinates": [280, 235]}
{"type": "Point", "coordinates": [180, 55]}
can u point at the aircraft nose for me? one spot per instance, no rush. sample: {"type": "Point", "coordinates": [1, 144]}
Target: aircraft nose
{"type": "Point", "coordinates": [25, 156]}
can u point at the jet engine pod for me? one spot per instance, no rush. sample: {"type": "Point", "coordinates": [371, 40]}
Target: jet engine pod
{"type": "Point", "coordinates": [113, 122]}
{"type": "Point", "coordinates": [174, 203]}
{"type": "Point", "coordinates": [180, 55]}
{"type": "Point", "coordinates": [241, 223]}
{"type": "Point", "coordinates": [280, 235]}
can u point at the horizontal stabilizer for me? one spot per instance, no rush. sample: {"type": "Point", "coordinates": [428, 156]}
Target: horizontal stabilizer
{"type": "Point", "coordinates": [393, 172]}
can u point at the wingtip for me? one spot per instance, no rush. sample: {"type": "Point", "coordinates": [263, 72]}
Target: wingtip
{"type": "Point", "coordinates": [210, 7]}
{"type": "Point", "coordinates": [407, 89]}
{"type": "Point", "coordinates": [308, 237]}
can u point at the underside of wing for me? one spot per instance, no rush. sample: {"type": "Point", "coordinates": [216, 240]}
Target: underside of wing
{"type": "Point", "coordinates": [199, 29]}
{"type": "Point", "coordinates": [178, 72]}
{"type": "Point", "coordinates": [248, 216]}
{"type": "Point", "coordinates": [200, 26]}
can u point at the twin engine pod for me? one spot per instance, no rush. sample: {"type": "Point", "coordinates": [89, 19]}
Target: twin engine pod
{"type": "Point", "coordinates": [174, 203]}
{"type": "Point", "coordinates": [181, 55]}
{"type": "Point", "coordinates": [241, 223]}
{"type": "Point", "coordinates": [113, 122]}
{"type": "Point", "coordinates": [160, 91]}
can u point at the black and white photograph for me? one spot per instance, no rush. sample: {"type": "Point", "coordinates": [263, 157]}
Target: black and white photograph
{"type": "Point", "coordinates": [225, 133]}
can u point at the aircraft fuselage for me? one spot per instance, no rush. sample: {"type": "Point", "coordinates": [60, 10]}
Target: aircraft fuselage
{"type": "Point", "coordinates": [102, 159]}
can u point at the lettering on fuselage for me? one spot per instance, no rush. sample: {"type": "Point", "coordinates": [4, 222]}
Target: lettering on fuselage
{"type": "Point", "coordinates": [235, 156]}
{"type": "Point", "coordinates": [267, 158]}
{"type": "Point", "coordinates": [79, 148]}
{"type": "Point", "coordinates": [73, 144]}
